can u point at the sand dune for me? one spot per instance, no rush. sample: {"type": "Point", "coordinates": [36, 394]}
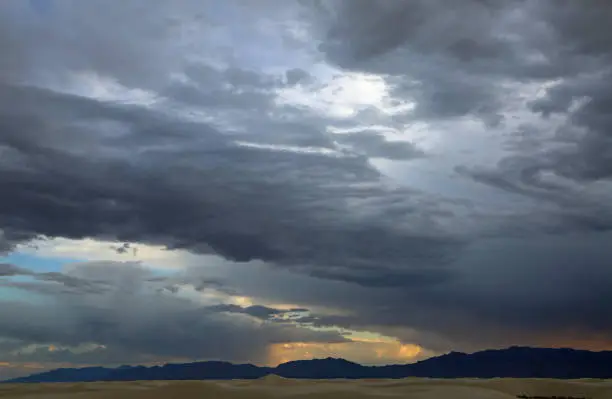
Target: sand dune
{"type": "Point", "coordinates": [277, 387]}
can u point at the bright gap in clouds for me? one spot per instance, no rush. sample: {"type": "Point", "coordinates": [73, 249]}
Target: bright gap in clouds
{"type": "Point", "coordinates": [294, 149]}
{"type": "Point", "coordinates": [343, 95]}
{"type": "Point", "coordinates": [87, 250]}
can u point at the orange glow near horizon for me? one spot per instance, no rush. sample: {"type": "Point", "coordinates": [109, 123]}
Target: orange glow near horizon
{"type": "Point", "coordinates": [360, 351]}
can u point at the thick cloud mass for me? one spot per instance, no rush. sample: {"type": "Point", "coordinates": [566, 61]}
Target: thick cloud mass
{"type": "Point", "coordinates": [192, 187]}
{"type": "Point", "coordinates": [421, 169]}
{"type": "Point", "coordinates": [136, 318]}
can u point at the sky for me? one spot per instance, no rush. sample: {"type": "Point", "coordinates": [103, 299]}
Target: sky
{"type": "Point", "coordinates": [264, 181]}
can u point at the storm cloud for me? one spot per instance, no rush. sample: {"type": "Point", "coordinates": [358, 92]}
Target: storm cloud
{"type": "Point", "coordinates": [133, 318]}
{"type": "Point", "coordinates": [433, 172]}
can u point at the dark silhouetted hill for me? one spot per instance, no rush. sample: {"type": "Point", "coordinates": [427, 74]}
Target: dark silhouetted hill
{"type": "Point", "coordinates": [322, 369]}
{"type": "Point", "coordinates": [516, 362]}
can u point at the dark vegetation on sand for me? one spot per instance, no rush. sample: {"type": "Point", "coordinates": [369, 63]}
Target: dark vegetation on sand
{"type": "Point", "coordinates": [551, 397]}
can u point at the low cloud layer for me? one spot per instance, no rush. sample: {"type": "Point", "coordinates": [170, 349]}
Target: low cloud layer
{"type": "Point", "coordinates": [410, 168]}
{"type": "Point", "coordinates": [134, 317]}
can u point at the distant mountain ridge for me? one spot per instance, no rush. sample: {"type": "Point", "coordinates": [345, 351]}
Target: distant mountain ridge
{"type": "Point", "coordinates": [517, 362]}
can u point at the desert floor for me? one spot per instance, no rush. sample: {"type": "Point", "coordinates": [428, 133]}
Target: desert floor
{"type": "Point", "coordinates": [276, 387]}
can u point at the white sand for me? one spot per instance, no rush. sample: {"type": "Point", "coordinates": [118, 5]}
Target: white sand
{"type": "Point", "coordinates": [276, 387]}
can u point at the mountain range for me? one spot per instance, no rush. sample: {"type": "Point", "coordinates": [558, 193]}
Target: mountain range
{"type": "Point", "coordinates": [516, 362]}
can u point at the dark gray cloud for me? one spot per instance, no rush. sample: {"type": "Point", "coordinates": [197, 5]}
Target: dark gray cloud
{"type": "Point", "coordinates": [470, 72]}
{"type": "Point", "coordinates": [7, 269]}
{"type": "Point", "coordinates": [175, 129]}
{"type": "Point", "coordinates": [492, 44]}
{"type": "Point", "coordinates": [447, 75]}
{"type": "Point", "coordinates": [259, 311]}
{"type": "Point", "coordinates": [296, 76]}
{"type": "Point", "coordinates": [125, 248]}
{"type": "Point", "coordinates": [534, 292]}
{"type": "Point", "coordinates": [132, 321]}
{"type": "Point", "coordinates": [59, 282]}
{"type": "Point", "coordinates": [191, 187]}
{"type": "Point", "coordinates": [472, 61]}
{"type": "Point", "coordinates": [80, 167]}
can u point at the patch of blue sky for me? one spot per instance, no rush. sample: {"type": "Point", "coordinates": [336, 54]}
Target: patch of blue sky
{"type": "Point", "coordinates": [36, 263]}
{"type": "Point", "coordinates": [41, 264]}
